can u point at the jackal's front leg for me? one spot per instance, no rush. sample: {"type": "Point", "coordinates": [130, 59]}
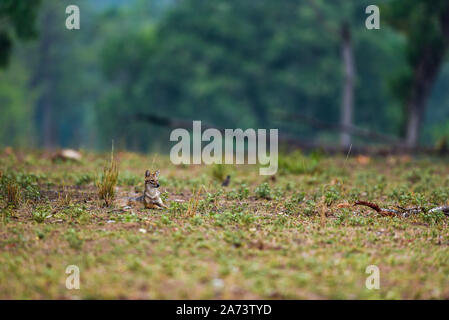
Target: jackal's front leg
{"type": "Point", "coordinates": [161, 204]}
{"type": "Point", "coordinates": [150, 205]}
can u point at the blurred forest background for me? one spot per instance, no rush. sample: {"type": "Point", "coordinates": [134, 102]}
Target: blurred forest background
{"type": "Point", "coordinates": [308, 67]}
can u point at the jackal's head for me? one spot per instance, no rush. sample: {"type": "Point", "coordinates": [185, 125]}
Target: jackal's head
{"type": "Point", "coordinates": [152, 179]}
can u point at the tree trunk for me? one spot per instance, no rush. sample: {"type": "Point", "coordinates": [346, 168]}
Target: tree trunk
{"type": "Point", "coordinates": [425, 73]}
{"type": "Point", "coordinates": [347, 105]}
{"type": "Point", "coordinates": [424, 77]}
{"type": "Point", "coordinates": [44, 80]}
{"type": "Point", "coordinates": [415, 115]}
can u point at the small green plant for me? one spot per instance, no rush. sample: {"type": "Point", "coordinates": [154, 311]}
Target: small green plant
{"type": "Point", "coordinates": [75, 211]}
{"type": "Point", "coordinates": [234, 238]}
{"type": "Point", "coordinates": [178, 208]}
{"type": "Point", "coordinates": [331, 196]}
{"type": "Point", "coordinates": [279, 193]}
{"type": "Point", "coordinates": [39, 215]}
{"type": "Point", "coordinates": [197, 220]}
{"type": "Point", "coordinates": [6, 213]}
{"type": "Point", "coordinates": [433, 217]}
{"type": "Point", "coordinates": [263, 191]}
{"type": "Point", "coordinates": [108, 181]}
{"type": "Point", "coordinates": [29, 184]}
{"type": "Point", "coordinates": [243, 192]}
{"type": "Point", "coordinates": [73, 239]}
{"type": "Point", "coordinates": [309, 210]}
{"type": "Point", "coordinates": [298, 197]}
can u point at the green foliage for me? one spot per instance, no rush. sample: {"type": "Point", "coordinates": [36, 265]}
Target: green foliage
{"type": "Point", "coordinates": [194, 59]}
{"type": "Point", "coordinates": [39, 214]}
{"type": "Point", "coordinates": [243, 192]}
{"type": "Point", "coordinates": [263, 191]}
{"type": "Point", "coordinates": [298, 197]}
{"type": "Point", "coordinates": [433, 217]}
{"type": "Point", "coordinates": [16, 99]}
{"type": "Point", "coordinates": [17, 186]}
{"type": "Point", "coordinates": [74, 239]}
{"type": "Point", "coordinates": [331, 195]}
{"type": "Point", "coordinates": [424, 26]}
{"type": "Point", "coordinates": [240, 63]}
{"type": "Point", "coordinates": [297, 163]}
{"type": "Point", "coordinates": [18, 19]}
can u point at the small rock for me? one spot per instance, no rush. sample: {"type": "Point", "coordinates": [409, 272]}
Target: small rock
{"type": "Point", "coordinates": [217, 283]}
{"type": "Point", "coordinates": [142, 230]}
{"type": "Point", "coordinates": [67, 154]}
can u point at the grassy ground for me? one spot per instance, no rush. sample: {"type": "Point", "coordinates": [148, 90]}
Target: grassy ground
{"type": "Point", "coordinates": [291, 237]}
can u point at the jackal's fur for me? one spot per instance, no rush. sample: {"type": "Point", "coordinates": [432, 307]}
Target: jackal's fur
{"type": "Point", "coordinates": [151, 197]}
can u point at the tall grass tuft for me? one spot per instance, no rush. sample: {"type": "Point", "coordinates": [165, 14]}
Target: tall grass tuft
{"type": "Point", "coordinates": [13, 194]}
{"type": "Point", "coordinates": [219, 172]}
{"type": "Point", "coordinates": [10, 190]}
{"type": "Point", "coordinates": [106, 185]}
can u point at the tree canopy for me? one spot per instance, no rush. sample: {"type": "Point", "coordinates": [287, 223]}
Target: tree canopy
{"type": "Point", "coordinates": [227, 62]}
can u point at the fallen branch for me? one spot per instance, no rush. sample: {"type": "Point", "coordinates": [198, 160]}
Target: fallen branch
{"type": "Point", "coordinates": [444, 209]}
{"type": "Point", "coordinates": [403, 212]}
{"type": "Point", "coordinates": [381, 211]}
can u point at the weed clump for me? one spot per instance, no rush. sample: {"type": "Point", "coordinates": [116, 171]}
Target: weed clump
{"type": "Point", "coordinates": [12, 194]}
{"type": "Point", "coordinates": [108, 181]}
{"type": "Point", "coordinates": [263, 191]}
{"type": "Point", "coordinates": [10, 190]}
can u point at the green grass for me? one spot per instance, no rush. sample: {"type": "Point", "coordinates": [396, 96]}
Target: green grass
{"type": "Point", "coordinates": [286, 238]}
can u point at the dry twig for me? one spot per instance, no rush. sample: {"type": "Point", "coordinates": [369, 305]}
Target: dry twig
{"type": "Point", "coordinates": [403, 212]}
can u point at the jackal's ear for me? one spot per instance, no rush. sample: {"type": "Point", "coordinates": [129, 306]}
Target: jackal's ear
{"type": "Point", "coordinates": [157, 173]}
{"type": "Point", "coordinates": [147, 173]}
